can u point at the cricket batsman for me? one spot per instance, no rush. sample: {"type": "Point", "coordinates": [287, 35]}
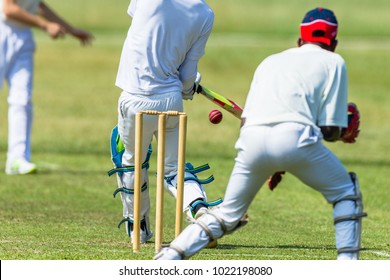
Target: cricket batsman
{"type": "Point", "coordinates": [158, 68]}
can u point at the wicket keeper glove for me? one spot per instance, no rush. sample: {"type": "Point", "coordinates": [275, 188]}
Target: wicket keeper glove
{"type": "Point", "coordinates": [190, 94]}
{"type": "Point", "coordinates": [352, 131]}
{"type": "Point", "coordinates": [275, 179]}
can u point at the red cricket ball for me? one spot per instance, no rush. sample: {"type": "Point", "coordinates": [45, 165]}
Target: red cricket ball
{"type": "Point", "coordinates": [215, 116]}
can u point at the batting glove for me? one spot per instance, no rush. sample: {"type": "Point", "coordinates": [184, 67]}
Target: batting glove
{"type": "Point", "coordinates": [189, 95]}
{"type": "Point", "coordinates": [197, 81]}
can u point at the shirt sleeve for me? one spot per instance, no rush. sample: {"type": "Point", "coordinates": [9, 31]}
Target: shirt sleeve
{"type": "Point", "coordinates": [335, 100]}
{"type": "Point", "coordinates": [198, 48]}
{"type": "Point", "coordinates": [187, 76]}
{"type": "Point", "coordinates": [131, 9]}
{"type": "Point", "coordinates": [189, 67]}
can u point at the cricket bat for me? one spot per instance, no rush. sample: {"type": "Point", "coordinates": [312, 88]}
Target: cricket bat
{"type": "Point", "coordinates": [221, 101]}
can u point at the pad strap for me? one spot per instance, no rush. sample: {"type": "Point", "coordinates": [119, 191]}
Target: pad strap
{"type": "Point", "coordinates": [178, 250]}
{"type": "Point", "coordinates": [145, 165]}
{"type": "Point", "coordinates": [121, 169]}
{"type": "Point", "coordinates": [130, 191]}
{"type": "Point", "coordinates": [124, 221]}
{"type": "Point", "coordinates": [193, 170]}
{"type": "Point", "coordinates": [350, 197]}
{"type": "Point", "coordinates": [349, 250]}
{"type": "Point", "coordinates": [206, 229]}
{"type": "Point", "coordinates": [130, 224]}
{"type": "Point", "coordinates": [354, 217]}
{"type": "Point", "coordinates": [206, 204]}
{"type": "Point", "coordinates": [220, 221]}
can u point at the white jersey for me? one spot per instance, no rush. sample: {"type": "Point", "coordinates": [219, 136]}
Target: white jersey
{"type": "Point", "coordinates": [318, 99]}
{"type": "Point", "coordinates": [29, 5]}
{"type": "Point", "coordinates": [148, 65]}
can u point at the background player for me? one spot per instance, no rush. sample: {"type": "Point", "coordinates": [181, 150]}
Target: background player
{"type": "Point", "coordinates": [158, 68]}
{"type": "Point", "coordinates": [297, 97]}
{"type": "Point", "coordinates": [17, 47]}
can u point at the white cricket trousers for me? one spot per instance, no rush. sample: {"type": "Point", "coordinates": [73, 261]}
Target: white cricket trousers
{"type": "Point", "coordinates": [16, 68]}
{"type": "Point", "coordinates": [262, 151]}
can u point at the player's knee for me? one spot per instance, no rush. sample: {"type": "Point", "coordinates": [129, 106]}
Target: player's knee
{"type": "Point", "coordinates": [215, 224]}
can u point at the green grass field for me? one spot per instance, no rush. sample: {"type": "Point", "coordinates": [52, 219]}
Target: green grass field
{"type": "Point", "coordinates": [67, 210]}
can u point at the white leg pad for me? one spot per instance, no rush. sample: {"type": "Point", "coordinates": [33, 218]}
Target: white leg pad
{"type": "Point", "coordinates": [192, 190]}
{"type": "Point", "coordinates": [348, 214]}
{"type": "Point", "coordinates": [206, 228]}
{"type": "Point", "coordinates": [128, 199]}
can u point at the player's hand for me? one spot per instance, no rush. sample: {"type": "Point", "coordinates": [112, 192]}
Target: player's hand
{"type": "Point", "coordinates": [55, 30]}
{"type": "Point", "coordinates": [275, 179]}
{"type": "Point", "coordinates": [84, 37]}
{"type": "Point", "coordinates": [352, 131]}
{"type": "Point", "coordinates": [189, 95]}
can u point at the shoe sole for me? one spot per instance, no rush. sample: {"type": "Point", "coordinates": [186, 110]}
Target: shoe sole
{"type": "Point", "coordinates": [10, 172]}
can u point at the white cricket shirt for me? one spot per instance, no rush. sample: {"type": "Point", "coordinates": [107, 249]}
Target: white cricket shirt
{"type": "Point", "coordinates": [164, 43]}
{"type": "Point", "coordinates": [306, 85]}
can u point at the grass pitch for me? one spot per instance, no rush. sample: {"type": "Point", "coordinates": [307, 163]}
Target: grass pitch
{"type": "Point", "coordinates": [67, 210]}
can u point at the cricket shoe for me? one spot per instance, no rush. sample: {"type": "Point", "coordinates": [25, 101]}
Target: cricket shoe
{"type": "Point", "coordinates": [167, 254]}
{"type": "Point", "coordinates": [145, 233]}
{"type": "Point", "coordinates": [21, 167]}
{"type": "Point", "coordinates": [347, 256]}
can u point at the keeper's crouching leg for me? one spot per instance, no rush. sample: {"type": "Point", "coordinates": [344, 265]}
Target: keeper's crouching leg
{"type": "Point", "coordinates": [348, 214]}
{"type": "Point", "coordinates": [210, 226]}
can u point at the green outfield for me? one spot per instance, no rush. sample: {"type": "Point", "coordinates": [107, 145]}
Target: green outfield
{"type": "Point", "coordinates": [67, 210]}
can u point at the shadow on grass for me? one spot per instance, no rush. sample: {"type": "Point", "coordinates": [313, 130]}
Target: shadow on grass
{"type": "Point", "coordinates": [367, 162]}
{"type": "Point", "coordinates": [303, 247]}
{"type": "Point", "coordinates": [73, 172]}
{"type": "Point", "coordinates": [291, 247]}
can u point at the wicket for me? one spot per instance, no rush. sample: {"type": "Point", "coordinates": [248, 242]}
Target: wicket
{"type": "Point", "coordinates": [162, 117]}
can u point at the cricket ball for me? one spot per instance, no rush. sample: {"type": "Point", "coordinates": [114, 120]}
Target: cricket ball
{"type": "Point", "coordinates": [215, 116]}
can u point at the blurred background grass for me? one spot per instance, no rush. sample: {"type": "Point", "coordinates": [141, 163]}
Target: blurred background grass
{"type": "Point", "coordinates": [66, 211]}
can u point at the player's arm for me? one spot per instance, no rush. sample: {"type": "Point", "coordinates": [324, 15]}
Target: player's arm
{"type": "Point", "coordinates": [348, 134]}
{"type": "Point", "coordinates": [15, 12]}
{"type": "Point", "coordinates": [188, 76]}
{"type": "Point", "coordinates": [46, 12]}
{"type": "Point", "coordinates": [331, 133]}
{"type": "Point", "coordinates": [188, 70]}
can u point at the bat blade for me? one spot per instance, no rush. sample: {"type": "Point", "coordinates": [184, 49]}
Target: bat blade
{"type": "Point", "coordinates": [222, 101]}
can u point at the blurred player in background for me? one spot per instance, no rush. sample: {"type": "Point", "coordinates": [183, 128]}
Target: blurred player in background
{"type": "Point", "coordinates": [297, 97]}
{"type": "Point", "coordinates": [17, 47]}
{"type": "Point", "coordinates": [158, 69]}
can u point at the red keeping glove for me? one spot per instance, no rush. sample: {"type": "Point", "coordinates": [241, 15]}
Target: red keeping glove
{"type": "Point", "coordinates": [275, 179]}
{"type": "Point", "coordinates": [352, 131]}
